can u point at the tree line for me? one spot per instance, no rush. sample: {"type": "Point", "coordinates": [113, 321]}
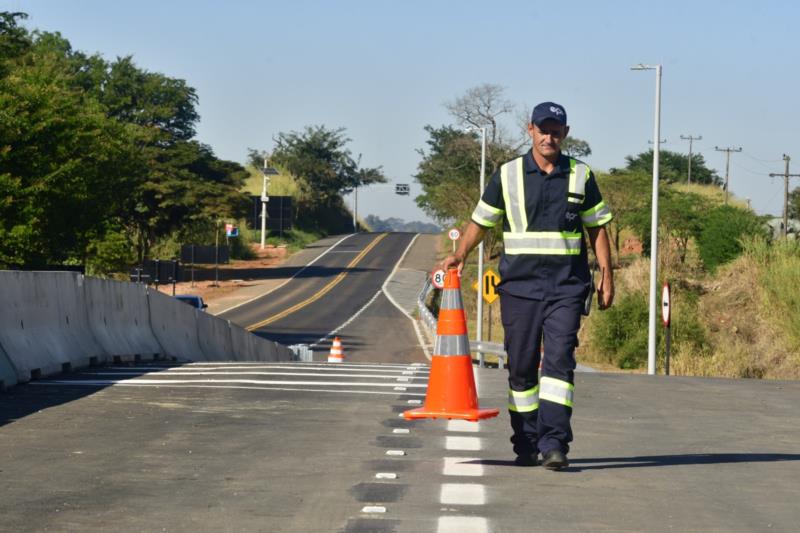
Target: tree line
{"type": "Point", "coordinates": [100, 165]}
{"type": "Point", "coordinates": [449, 171]}
{"type": "Point", "coordinates": [98, 158]}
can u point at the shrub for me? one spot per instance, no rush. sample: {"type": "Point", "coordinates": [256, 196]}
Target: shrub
{"type": "Point", "coordinates": [721, 232]}
{"type": "Point", "coordinates": [620, 332]}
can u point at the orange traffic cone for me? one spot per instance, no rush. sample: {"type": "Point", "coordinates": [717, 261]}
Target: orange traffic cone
{"type": "Point", "coordinates": [337, 354]}
{"type": "Point", "coordinates": [451, 385]}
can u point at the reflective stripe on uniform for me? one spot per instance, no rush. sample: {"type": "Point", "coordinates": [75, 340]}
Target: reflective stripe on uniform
{"type": "Point", "coordinates": [543, 243]}
{"type": "Point", "coordinates": [451, 299]}
{"type": "Point", "coordinates": [596, 216]}
{"type": "Point", "coordinates": [486, 215]}
{"type": "Point", "coordinates": [556, 391]}
{"type": "Point", "coordinates": [451, 345]}
{"type": "Point", "coordinates": [578, 174]}
{"type": "Point", "coordinates": [511, 179]}
{"type": "Point", "coordinates": [523, 401]}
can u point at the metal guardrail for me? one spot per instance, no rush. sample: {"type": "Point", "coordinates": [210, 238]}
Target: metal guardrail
{"type": "Point", "coordinates": [302, 353]}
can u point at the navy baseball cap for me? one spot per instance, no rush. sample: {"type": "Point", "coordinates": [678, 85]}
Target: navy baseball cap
{"type": "Point", "coordinates": [547, 110]}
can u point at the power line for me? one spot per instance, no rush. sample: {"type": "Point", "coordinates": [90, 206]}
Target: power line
{"type": "Point", "coordinates": [786, 177]}
{"type": "Point", "coordinates": [690, 139]}
{"type": "Point", "coordinates": [727, 165]}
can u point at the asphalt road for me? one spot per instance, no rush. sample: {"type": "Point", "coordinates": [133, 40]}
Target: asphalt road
{"type": "Point", "coordinates": [324, 296]}
{"type": "Point", "coordinates": [308, 447]}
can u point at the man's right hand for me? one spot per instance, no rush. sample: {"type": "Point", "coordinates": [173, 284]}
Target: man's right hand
{"type": "Point", "coordinates": [452, 261]}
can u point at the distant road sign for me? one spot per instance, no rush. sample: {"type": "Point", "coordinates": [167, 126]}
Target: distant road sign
{"type": "Point", "coordinates": [489, 288]}
{"type": "Point", "coordinates": [402, 189]}
{"type": "Point", "coordinates": [437, 278]}
{"type": "Point", "coordinates": [454, 234]}
{"type": "Point", "coordinates": [665, 310]}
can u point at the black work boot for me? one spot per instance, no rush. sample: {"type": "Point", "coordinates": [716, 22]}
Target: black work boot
{"type": "Point", "coordinates": [527, 460]}
{"type": "Point", "coordinates": [555, 460]}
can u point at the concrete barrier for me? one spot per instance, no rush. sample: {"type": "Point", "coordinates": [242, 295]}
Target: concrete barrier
{"type": "Point", "coordinates": [214, 336]}
{"type": "Point", "coordinates": [245, 345]}
{"type": "Point", "coordinates": [120, 319]}
{"type": "Point", "coordinates": [8, 376]}
{"type": "Point", "coordinates": [174, 325]}
{"type": "Point", "coordinates": [44, 328]}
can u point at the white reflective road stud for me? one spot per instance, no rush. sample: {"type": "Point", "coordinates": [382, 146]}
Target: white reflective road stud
{"type": "Point", "coordinates": [462, 494]}
{"type": "Point", "coordinates": [400, 388]}
{"type": "Point", "coordinates": [461, 443]}
{"type": "Point", "coordinates": [463, 426]}
{"type": "Point", "coordinates": [401, 431]}
{"type": "Point", "coordinates": [407, 373]}
{"type": "Point", "coordinates": [462, 466]}
{"type": "Point", "coordinates": [462, 524]}
{"type": "Point", "coordinates": [404, 379]}
{"type": "Point", "coordinates": [385, 475]}
{"type": "Point", "coordinates": [395, 452]}
{"type": "Point", "coordinates": [373, 509]}
{"type": "Point", "coordinates": [415, 402]}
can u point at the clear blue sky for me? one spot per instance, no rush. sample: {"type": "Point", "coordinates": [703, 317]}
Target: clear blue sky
{"type": "Point", "coordinates": [383, 70]}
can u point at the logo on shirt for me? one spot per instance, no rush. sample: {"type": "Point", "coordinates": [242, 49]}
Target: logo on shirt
{"type": "Point", "coordinates": [571, 216]}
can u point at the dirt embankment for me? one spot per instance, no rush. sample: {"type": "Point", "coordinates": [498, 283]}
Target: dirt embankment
{"type": "Point", "coordinates": [238, 274]}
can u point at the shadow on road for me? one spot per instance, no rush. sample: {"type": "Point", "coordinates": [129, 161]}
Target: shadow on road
{"type": "Point", "coordinates": [29, 398]}
{"type": "Point", "coordinates": [603, 463]}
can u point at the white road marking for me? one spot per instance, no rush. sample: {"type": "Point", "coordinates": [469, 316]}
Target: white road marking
{"type": "Point", "coordinates": [373, 509]}
{"type": "Point", "coordinates": [462, 524]}
{"type": "Point", "coordinates": [462, 443]}
{"type": "Point", "coordinates": [463, 426]}
{"type": "Point", "coordinates": [462, 466]}
{"type": "Point", "coordinates": [414, 402]}
{"type": "Point", "coordinates": [184, 386]}
{"type": "Point", "coordinates": [346, 322]}
{"type": "Point", "coordinates": [337, 243]}
{"type": "Point", "coordinates": [420, 337]}
{"type": "Point", "coordinates": [401, 431]}
{"type": "Point", "coordinates": [462, 494]}
{"type": "Point", "coordinates": [145, 381]}
{"type": "Point", "coordinates": [395, 452]}
{"type": "Point", "coordinates": [400, 389]}
{"type": "Point", "coordinates": [404, 380]}
{"type": "Point", "coordinates": [385, 475]}
{"type": "Point", "coordinates": [338, 367]}
{"type": "Point", "coordinates": [249, 373]}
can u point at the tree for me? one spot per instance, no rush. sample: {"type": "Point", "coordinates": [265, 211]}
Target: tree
{"type": "Point", "coordinates": [482, 106]}
{"type": "Point", "coordinates": [627, 194]}
{"type": "Point", "coordinates": [323, 168]}
{"type": "Point", "coordinates": [673, 167]}
{"type": "Point", "coordinates": [574, 147]}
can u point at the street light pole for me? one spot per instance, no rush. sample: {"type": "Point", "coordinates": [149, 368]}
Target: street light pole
{"type": "Point", "coordinates": [479, 328]}
{"type": "Point", "coordinates": [264, 206]}
{"type": "Point", "coordinates": [651, 336]}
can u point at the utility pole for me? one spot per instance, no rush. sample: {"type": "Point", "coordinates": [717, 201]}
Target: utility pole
{"type": "Point", "coordinates": [786, 177]}
{"type": "Point", "coordinates": [690, 139]}
{"type": "Point", "coordinates": [727, 165]}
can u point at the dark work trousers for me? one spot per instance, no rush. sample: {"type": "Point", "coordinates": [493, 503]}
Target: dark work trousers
{"type": "Point", "coordinates": [525, 321]}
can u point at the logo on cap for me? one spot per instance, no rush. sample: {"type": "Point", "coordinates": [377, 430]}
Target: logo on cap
{"type": "Point", "coordinates": [556, 110]}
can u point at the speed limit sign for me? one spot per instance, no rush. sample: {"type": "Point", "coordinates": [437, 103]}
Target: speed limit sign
{"type": "Point", "coordinates": [454, 234]}
{"type": "Point", "coordinates": [437, 278]}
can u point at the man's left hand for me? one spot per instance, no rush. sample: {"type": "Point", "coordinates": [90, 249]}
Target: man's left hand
{"type": "Point", "coordinates": [605, 291]}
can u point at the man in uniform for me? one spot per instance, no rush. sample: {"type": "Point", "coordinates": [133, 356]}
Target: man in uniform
{"type": "Point", "coordinates": [544, 199]}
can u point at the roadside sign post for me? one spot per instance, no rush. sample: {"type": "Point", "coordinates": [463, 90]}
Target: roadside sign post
{"type": "Point", "coordinates": [454, 235]}
{"type": "Point", "coordinates": [437, 278]}
{"type": "Point", "coordinates": [665, 316]}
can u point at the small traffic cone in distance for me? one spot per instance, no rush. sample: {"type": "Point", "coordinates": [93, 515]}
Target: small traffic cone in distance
{"type": "Point", "coordinates": [337, 353]}
{"type": "Point", "coordinates": [451, 385]}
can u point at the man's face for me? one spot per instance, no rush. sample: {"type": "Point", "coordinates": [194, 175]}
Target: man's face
{"type": "Point", "coordinates": [547, 137]}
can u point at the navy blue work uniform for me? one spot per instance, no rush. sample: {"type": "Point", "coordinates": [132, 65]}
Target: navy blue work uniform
{"type": "Point", "coordinates": [545, 279]}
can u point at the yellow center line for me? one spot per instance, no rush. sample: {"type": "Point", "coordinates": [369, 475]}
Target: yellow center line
{"type": "Point", "coordinates": [322, 292]}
